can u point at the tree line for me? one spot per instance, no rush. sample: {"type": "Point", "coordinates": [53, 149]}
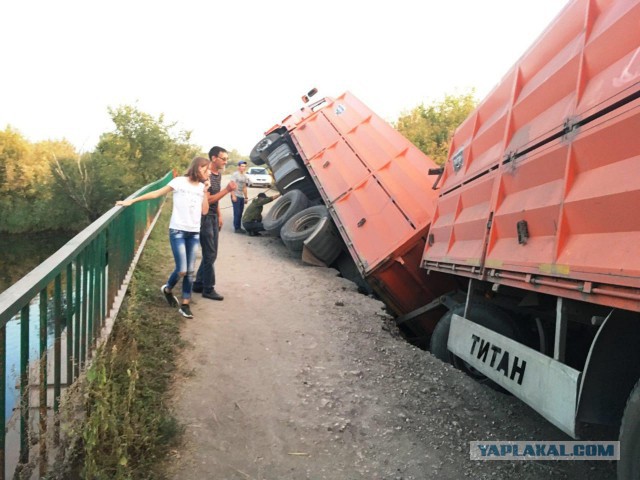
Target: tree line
{"type": "Point", "coordinates": [430, 127]}
{"type": "Point", "coordinates": [49, 185]}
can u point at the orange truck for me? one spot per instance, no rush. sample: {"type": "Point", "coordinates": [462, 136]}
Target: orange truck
{"type": "Point", "coordinates": [352, 168]}
{"type": "Point", "coordinates": [520, 262]}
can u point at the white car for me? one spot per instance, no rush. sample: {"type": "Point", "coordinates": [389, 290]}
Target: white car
{"type": "Point", "coordinates": [259, 177]}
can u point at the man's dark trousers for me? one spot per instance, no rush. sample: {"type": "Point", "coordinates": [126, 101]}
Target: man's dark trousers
{"type": "Point", "coordinates": [206, 276]}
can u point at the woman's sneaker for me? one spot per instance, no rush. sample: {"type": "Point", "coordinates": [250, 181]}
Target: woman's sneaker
{"type": "Point", "coordinates": [185, 311]}
{"type": "Point", "coordinates": [171, 298]}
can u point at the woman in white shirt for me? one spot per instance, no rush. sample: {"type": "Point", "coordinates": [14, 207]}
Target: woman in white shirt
{"type": "Point", "coordinates": [190, 202]}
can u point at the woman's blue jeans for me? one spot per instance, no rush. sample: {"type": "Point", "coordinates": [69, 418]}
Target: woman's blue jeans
{"type": "Point", "coordinates": [184, 246]}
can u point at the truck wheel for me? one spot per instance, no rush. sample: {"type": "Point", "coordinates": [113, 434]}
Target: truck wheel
{"type": "Point", "coordinates": [440, 337]}
{"type": "Point", "coordinates": [260, 151]}
{"type": "Point", "coordinates": [484, 314]}
{"type": "Point", "coordinates": [629, 464]}
{"type": "Point", "coordinates": [283, 209]}
{"type": "Point", "coordinates": [301, 225]}
{"type": "Point", "coordinates": [306, 185]}
{"type": "Point", "coordinates": [325, 242]}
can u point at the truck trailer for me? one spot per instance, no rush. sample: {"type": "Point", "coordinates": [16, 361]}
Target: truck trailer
{"type": "Point", "coordinates": [518, 261]}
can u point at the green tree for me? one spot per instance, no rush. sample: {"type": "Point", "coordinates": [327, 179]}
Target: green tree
{"type": "Point", "coordinates": [27, 196]}
{"type": "Point", "coordinates": [430, 127]}
{"type": "Point", "coordinates": [74, 182]}
{"type": "Point", "coordinates": [50, 210]}
{"type": "Point", "coordinates": [144, 146]}
{"type": "Point", "coordinates": [14, 150]}
{"type": "Point", "coordinates": [49, 186]}
{"type": "Point", "coordinates": [235, 157]}
{"type": "Point", "coordinates": [138, 151]}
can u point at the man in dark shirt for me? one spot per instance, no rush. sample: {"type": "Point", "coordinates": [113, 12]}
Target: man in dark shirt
{"type": "Point", "coordinates": [210, 226]}
{"type": "Point", "coordinates": [252, 218]}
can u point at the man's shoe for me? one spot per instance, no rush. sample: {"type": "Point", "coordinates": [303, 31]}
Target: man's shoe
{"type": "Point", "coordinates": [240, 230]}
{"type": "Point", "coordinates": [196, 289]}
{"type": "Point", "coordinates": [185, 311]}
{"type": "Point", "coordinates": [212, 295]}
{"type": "Point", "coordinates": [171, 299]}
{"type": "Point", "coordinates": [255, 234]}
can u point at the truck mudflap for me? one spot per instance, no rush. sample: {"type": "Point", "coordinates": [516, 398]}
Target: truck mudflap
{"type": "Point", "coordinates": [546, 385]}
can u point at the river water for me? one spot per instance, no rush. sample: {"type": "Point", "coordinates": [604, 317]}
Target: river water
{"type": "Point", "coordinates": [19, 254]}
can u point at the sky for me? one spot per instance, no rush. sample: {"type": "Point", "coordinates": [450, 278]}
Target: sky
{"type": "Point", "coordinates": [228, 70]}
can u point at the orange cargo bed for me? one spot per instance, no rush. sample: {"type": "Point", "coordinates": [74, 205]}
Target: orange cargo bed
{"type": "Point", "coordinates": [377, 187]}
{"type": "Point", "coordinates": [542, 186]}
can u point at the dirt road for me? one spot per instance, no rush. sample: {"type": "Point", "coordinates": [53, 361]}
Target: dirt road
{"type": "Point", "coordinates": [295, 375]}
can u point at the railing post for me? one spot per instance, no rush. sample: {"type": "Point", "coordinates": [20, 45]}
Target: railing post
{"type": "Point", "coordinates": [69, 323]}
{"type": "Point", "coordinates": [85, 307]}
{"type": "Point", "coordinates": [57, 354]}
{"type": "Point", "coordinates": [42, 384]}
{"type": "Point", "coordinates": [78, 302]}
{"type": "Point", "coordinates": [24, 384]}
{"type": "Point", "coordinates": [91, 251]}
{"type": "Point", "coordinates": [103, 279]}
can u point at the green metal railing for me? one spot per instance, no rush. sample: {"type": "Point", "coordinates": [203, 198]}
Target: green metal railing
{"type": "Point", "coordinates": [75, 289]}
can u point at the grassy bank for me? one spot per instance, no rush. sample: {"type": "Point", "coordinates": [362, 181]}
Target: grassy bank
{"type": "Point", "coordinates": [126, 426]}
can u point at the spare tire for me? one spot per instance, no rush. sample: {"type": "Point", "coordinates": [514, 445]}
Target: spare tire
{"type": "Point", "coordinates": [261, 150]}
{"type": "Point", "coordinates": [300, 226]}
{"type": "Point", "coordinates": [283, 209]}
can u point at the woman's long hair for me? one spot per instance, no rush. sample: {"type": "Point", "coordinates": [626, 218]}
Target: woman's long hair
{"type": "Point", "coordinates": [193, 171]}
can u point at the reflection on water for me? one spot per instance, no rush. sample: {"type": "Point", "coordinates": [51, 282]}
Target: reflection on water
{"type": "Point", "coordinates": [19, 254]}
{"type": "Point", "coordinates": [13, 349]}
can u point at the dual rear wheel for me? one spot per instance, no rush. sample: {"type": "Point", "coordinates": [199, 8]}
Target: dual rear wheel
{"type": "Point", "coordinates": [300, 225]}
